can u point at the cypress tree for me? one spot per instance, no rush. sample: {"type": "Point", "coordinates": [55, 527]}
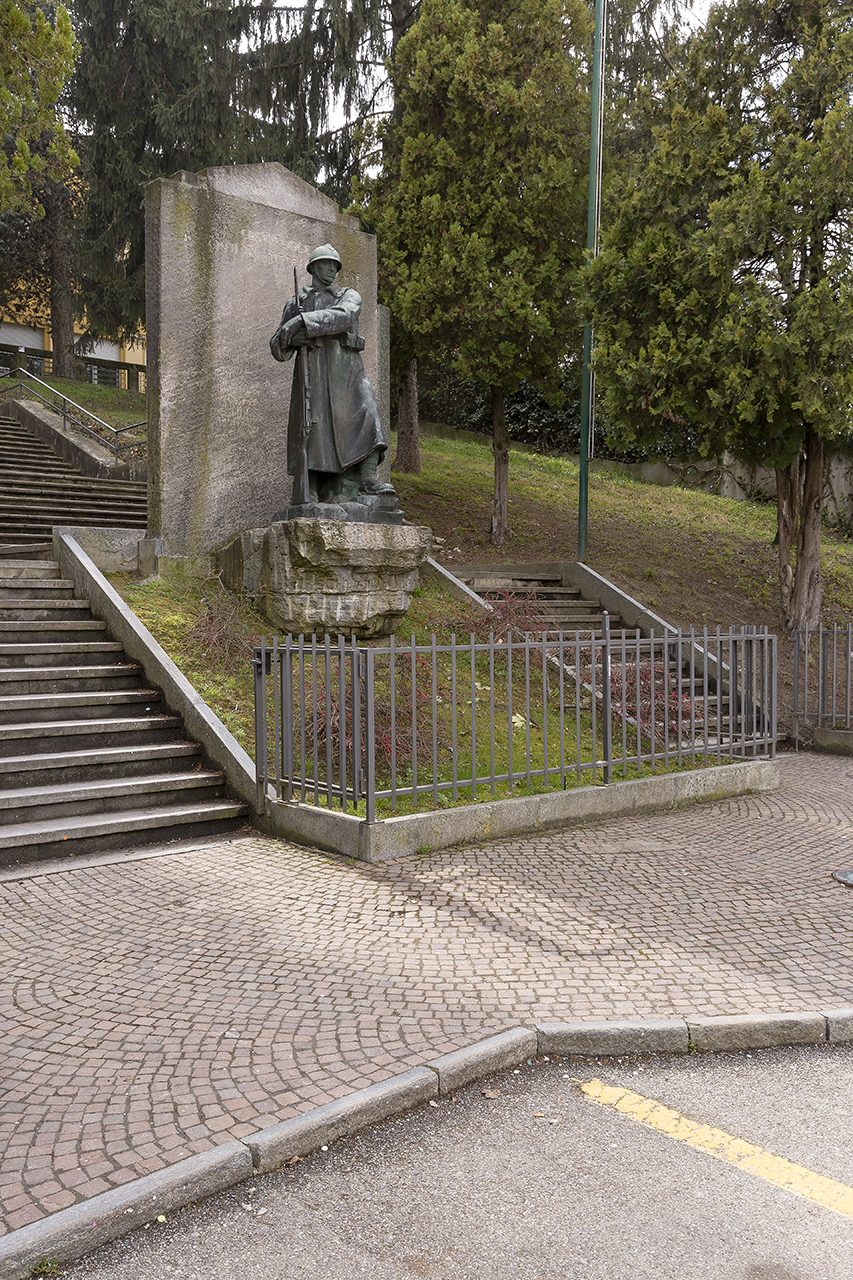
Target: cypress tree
{"type": "Point", "coordinates": [479, 207]}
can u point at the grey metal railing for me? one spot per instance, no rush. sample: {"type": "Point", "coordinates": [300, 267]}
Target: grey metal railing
{"type": "Point", "coordinates": [338, 723]}
{"type": "Point", "coordinates": [64, 406]}
{"type": "Point", "coordinates": [822, 678]}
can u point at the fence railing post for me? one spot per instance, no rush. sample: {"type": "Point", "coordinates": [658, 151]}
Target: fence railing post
{"type": "Point", "coordinates": [773, 683]}
{"type": "Point", "coordinates": [259, 665]}
{"type": "Point", "coordinates": [370, 739]}
{"type": "Point", "coordinates": [286, 702]}
{"type": "Point", "coordinates": [795, 718]}
{"type": "Point", "coordinates": [357, 678]}
{"type": "Point", "coordinates": [607, 728]}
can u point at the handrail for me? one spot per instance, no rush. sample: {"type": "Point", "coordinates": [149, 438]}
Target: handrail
{"type": "Point", "coordinates": [69, 417]}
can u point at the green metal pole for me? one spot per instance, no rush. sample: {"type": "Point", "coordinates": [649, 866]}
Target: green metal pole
{"type": "Point", "coordinates": [592, 245]}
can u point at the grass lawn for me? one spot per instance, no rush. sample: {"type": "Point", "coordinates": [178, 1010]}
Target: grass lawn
{"type": "Point", "coordinates": [689, 556]}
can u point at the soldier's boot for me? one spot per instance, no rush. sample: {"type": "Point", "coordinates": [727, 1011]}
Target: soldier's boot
{"type": "Point", "coordinates": [369, 481]}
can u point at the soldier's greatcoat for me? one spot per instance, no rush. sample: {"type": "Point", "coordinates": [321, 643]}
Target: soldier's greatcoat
{"type": "Point", "coordinates": [346, 422]}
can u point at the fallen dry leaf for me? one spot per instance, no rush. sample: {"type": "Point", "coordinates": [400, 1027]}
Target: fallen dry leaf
{"type": "Point", "coordinates": [491, 1093]}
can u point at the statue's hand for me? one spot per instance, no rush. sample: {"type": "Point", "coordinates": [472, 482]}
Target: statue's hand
{"type": "Point", "coordinates": [293, 334]}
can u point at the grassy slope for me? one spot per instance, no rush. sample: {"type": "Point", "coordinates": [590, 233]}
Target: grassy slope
{"type": "Point", "coordinates": [690, 557]}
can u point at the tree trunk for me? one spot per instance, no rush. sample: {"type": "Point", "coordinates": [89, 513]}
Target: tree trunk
{"type": "Point", "coordinates": [61, 314]}
{"type": "Point", "coordinates": [408, 442]}
{"type": "Point", "coordinates": [799, 500]}
{"type": "Point", "coordinates": [500, 530]}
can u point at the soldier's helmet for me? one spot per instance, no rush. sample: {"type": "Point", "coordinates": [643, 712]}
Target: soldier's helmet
{"type": "Point", "coordinates": [325, 253]}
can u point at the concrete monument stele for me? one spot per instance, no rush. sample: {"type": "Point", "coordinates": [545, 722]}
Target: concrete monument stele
{"type": "Point", "coordinates": [296, 509]}
{"type": "Point", "coordinates": [220, 248]}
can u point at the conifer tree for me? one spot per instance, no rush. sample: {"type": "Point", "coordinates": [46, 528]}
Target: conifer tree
{"type": "Point", "coordinates": [722, 297]}
{"type": "Point", "coordinates": [36, 57]}
{"type": "Point", "coordinates": [480, 205]}
{"type": "Point", "coordinates": [36, 258]}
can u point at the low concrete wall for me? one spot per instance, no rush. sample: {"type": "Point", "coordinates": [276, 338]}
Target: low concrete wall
{"type": "Point", "coordinates": [523, 815]}
{"type": "Point", "coordinates": [220, 746]}
{"type": "Point", "coordinates": [616, 602]}
{"type": "Point", "coordinates": [112, 550]}
{"type": "Point", "coordinates": [838, 742]}
{"type": "Point", "coordinates": [84, 453]}
{"type": "Point", "coordinates": [453, 585]}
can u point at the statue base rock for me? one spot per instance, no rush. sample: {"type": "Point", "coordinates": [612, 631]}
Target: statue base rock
{"type": "Point", "coordinates": [365, 509]}
{"type": "Point", "coordinates": [339, 577]}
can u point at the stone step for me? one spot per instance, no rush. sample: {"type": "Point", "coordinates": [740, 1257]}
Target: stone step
{"type": "Point", "coordinates": [93, 704]}
{"type": "Point", "coordinates": [40, 526]}
{"type": "Point", "coordinates": [30, 462]}
{"type": "Point", "coordinates": [61, 630]}
{"type": "Point", "coordinates": [19, 436]}
{"type": "Point", "coordinates": [10, 568]}
{"type": "Point", "coordinates": [65, 654]}
{"type": "Point", "coordinates": [25, 550]}
{"type": "Point", "coordinates": [30, 610]}
{"type": "Point", "coordinates": [45, 768]}
{"type": "Point", "coordinates": [45, 736]}
{"type": "Point", "coordinates": [569, 607]}
{"type": "Point", "coordinates": [36, 471]}
{"type": "Point", "coordinates": [16, 478]}
{"type": "Point", "coordinates": [67, 510]}
{"type": "Point", "coordinates": [37, 588]}
{"type": "Point", "coordinates": [31, 841]}
{"type": "Point", "coordinates": [40, 680]}
{"type": "Point", "coordinates": [109, 795]}
{"type": "Point", "coordinates": [486, 588]}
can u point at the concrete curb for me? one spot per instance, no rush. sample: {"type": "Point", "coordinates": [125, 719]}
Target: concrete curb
{"type": "Point", "coordinates": [455, 1070]}
{"type": "Point", "coordinates": [272, 1147]}
{"type": "Point", "coordinates": [83, 1227]}
{"type": "Point", "coordinates": [78, 1230]}
{"type": "Point", "coordinates": [654, 1035]}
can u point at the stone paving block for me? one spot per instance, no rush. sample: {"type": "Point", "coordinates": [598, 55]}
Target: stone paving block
{"type": "Point", "coordinates": [507, 1049]}
{"type": "Point", "coordinates": [633, 1035]}
{"type": "Point", "coordinates": [756, 1031]}
{"type": "Point", "coordinates": [839, 1025]}
{"type": "Point", "coordinates": [271, 1147]}
{"type": "Point", "coordinates": [110, 968]}
{"type": "Point", "coordinates": [82, 1227]}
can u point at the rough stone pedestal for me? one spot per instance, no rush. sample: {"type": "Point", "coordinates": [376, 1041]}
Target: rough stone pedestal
{"type": "Point", "coordinates": [335, 576]}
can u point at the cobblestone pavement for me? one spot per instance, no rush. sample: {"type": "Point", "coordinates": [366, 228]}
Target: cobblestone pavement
{"type": "Point", "coordinates": [154, 1009]}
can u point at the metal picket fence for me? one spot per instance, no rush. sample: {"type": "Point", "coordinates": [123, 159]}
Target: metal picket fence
{"type": "Point", "coordinates": [338, 723]}
{"type": "Point", "coordinates": [822, 678]}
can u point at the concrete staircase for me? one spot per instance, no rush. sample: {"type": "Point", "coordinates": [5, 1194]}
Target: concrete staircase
{"type": "Point", "coordinates": [563, 608]}
{"type": "Point", "coordinates": [38, 490]}
{"type": "Point", "coordinates": [90, 757]}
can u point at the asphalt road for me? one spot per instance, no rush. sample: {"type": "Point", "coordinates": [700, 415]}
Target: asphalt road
{"type": "Point", "coordinates": [540, 1181]}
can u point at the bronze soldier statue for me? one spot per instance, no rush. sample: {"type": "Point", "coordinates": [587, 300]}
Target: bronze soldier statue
{"type": "Point", "coordinates": [334, 446]}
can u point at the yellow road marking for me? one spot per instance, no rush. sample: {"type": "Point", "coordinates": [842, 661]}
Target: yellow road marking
{"type": "Point", "coordinates": [722, 1146]}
